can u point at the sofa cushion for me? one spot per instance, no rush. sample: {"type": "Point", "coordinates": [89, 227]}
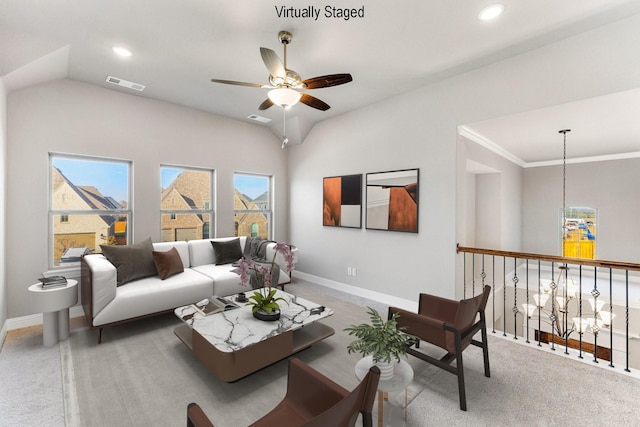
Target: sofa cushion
{"type": "Point", "coordinates": [131, 261]}
{"type": "Point", "coordinates": [181, 246]}
{"type": "Point", "coordinates": [168, 263]}
{"type": "Point", "coordinates": [227, 252]}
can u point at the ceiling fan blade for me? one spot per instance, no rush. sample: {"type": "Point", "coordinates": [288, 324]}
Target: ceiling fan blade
{"type": "Point", "coordinates": [272, 62]}
{"type": "Point", "coordinates": [265, 104]}
{"type": "Point", "coordinates": [233, 82]}
{"type": "Point", "coordinates": [327, 81]}
{"type": "Point", "coordinates": [314, 102]}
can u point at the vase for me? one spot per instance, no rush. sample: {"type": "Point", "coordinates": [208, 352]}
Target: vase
{"type": "Point", "coordinates": [267, 316]}
{"type": "Point", "coordinates": [386, 370]}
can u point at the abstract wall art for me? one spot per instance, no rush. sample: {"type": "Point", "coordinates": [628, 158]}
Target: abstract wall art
{"type": "Point", "coordinates": [342, 205]}
{"type": "Point", "coordinates": [392, 200]}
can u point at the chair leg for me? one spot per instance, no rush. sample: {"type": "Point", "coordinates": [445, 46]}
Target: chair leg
{"type": "Point", "coordinates": [367, 419]}
{"type": "Point", "coordinates": [485, 347]}
{"type": "Point", "coordinates": [460, 373]}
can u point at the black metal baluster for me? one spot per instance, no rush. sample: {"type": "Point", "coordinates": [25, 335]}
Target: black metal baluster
{"type": "Point", "coordinates": [627, 318]}
{"type": "Point", "coordinates": [611, 317]}
{"type": "Point", "coordinates": [515, 310]}
{"type": "Point", "coordinates": [565, 315]}
{"type": "Point", "coordinates": [473, 276]}
{"type": "Point", "coordinates": [504, 296]}
{"type": "Point", "coordinates": [493, 282]}
{"type": "Point", "coordinates": [539, 309]}
{"type": "Point", "coordinates": [580, 311]}
{"type": "Point", "coordinates": [464, 275]}
{"type": "Point", "coordinates": [595, 328]}
{"type": "Point", "coordinates": [553, 307]}
{"type": "Point", "coordinates": [526, 314]}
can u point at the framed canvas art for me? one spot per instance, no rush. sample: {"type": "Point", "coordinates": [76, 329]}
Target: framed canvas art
{"type": "Point", "coordinates": [342, 205]}
{"type": "Point", "coordinates": [392, 200]}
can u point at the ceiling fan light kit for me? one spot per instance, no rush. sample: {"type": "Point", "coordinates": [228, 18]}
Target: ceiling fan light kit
{"type": "Point", "coordinates": [284, 97]}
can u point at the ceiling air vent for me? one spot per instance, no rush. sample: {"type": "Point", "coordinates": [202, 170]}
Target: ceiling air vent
{"type": "Point", "coordinates": [258, 118]}
{"type": "Point", "coordinates": [125, 83]}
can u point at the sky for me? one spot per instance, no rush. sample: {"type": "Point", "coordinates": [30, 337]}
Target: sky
{"type": "Point", "coordinates": [111, 178]}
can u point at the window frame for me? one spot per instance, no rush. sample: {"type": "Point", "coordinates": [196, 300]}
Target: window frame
{"type": "Point", "coordinates": [269, 212]}
{"type": "Point", "coordinates": [567, 218]}
{"type": "Point", "coordinates": [54, 211]}
{"type": "Point", "coordinates": [208, 207]}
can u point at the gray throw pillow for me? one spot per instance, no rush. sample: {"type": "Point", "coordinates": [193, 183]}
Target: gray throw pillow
{"type": "Point", "coordinates": [131, 261]}
{"type": "Point", "coordinates": [168, 263]}
{"type": "Point", "coordinates": [226, 251]}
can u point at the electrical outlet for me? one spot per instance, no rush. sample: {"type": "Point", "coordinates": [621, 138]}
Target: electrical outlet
{"type": "Point", "coordinates": [349, 271]}
{"type": "Point", "coordinates": [353, 271]}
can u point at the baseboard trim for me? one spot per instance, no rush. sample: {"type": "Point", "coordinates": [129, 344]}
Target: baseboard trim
{"type": "Point", "coordinates": [36, 319]}
{"type": "Point", "coordinates": [354, 290]}
{"type": "Point", "coordinates": [3, 333]}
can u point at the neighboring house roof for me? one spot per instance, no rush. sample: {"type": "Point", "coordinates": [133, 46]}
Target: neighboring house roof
{"type": "Point", "coordinates": [194, 187]}
{"type": "Point", "coordinates": [88, 194]}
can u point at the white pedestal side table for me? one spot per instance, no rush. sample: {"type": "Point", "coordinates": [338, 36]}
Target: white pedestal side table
{"type": "Point", "coordinates": [402, 377]}
{"type": "Point", "coordinates": [54, 305]}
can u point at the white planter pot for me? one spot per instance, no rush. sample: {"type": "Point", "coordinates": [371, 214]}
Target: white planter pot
{"type": "Point", "coordinates": [386, 370]}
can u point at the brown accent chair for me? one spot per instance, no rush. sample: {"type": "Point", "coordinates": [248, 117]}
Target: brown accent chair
{"type": "Point", "coordinates": [450, 325]}
{"type": "Point", "coordinates": [312, 400]}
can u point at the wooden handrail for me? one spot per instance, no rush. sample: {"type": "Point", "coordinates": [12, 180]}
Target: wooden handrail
{"type": "Point", "coordinates": [551, 258]}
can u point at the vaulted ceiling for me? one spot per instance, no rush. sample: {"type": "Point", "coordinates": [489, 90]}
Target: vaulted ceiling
{"type": "Point", "coordinates": [391, 48]}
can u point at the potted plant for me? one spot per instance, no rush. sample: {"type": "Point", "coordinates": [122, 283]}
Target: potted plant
{"type": "Point", "coordinates": [383, 341]}
{"type": "Point", "coordinates": [264, 299]}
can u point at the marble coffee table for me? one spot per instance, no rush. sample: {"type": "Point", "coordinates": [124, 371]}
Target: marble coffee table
{"type": "Point", "coordinates": [233, 344]}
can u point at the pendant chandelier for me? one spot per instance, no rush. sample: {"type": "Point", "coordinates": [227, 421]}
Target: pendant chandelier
{"type": "Point", "coordinates": [561, 292]}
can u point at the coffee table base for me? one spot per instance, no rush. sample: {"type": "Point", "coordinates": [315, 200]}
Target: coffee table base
{"type": "Point", "coordinates": [232, 366]}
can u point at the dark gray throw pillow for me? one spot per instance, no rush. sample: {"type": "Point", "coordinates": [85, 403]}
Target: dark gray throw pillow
{"type": "Point", "coordinates": [131, 261]}
{"type": "Point", "coordinates": [227, 251]}
{"type": "Point", "coordinates": [168, 263]}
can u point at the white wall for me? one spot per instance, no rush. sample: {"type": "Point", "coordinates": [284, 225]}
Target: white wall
{"type": "Point", "coordinates": [610, 186]}
{"type": "Point", "coordinates": [71, 117]}
{"type": "Point", "coordinates": [3, 193]}
{"type": "Point", "coordinates": [418, 129]}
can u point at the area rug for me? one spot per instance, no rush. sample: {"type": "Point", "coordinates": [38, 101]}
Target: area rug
{"type": "Point", "coordinates": [143, 375]}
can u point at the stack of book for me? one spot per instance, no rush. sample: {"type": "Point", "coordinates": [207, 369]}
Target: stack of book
{"type": "Point", "coordinates": [53, 282]}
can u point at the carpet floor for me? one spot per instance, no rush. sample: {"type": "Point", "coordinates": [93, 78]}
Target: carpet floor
{"type": "Point", "coordinates": [143, 375]}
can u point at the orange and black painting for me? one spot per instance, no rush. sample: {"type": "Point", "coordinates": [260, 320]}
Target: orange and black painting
{"type": "Point", "coordinates": [342, 205]}
{"type": "Point", "coordinates": [392, 200]}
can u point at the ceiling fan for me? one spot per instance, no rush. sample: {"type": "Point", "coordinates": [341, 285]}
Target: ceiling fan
{"type": "Point", "coordinates": [286, 85]}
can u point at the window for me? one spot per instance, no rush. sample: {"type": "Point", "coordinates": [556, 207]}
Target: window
{"type": "Point", "coordinates": [89, 206]}
{"type": "Point", "coordinates": [252, 205]}
{"type": "Point", "coordinates": [185, 203]}
{"type": "Point", "coordinates": [579, 238]}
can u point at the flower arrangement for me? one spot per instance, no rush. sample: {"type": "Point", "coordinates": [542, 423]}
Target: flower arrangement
{"type": "Point", "coordinates": [264, 298]}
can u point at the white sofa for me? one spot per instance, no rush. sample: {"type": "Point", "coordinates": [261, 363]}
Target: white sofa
{"type": "Point", "coordinates": [106, 304]}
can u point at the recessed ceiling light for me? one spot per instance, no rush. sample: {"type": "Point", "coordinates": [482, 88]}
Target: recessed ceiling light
{"type": "Point", "coordinates": [491, 12]}
{"type": "Point", "coordinates": [121, 51]}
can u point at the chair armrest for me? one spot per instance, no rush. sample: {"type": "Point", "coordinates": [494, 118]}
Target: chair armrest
{"type": "Point", "coordinates": [417, 324]}
{"type": "Point", "coordinates": [196, 416]}
{"type": "Point", "coordinates": [311, 392]}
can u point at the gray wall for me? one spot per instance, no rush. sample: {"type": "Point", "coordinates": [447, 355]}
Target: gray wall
{"type": "Point", "coordinates": [609, 186]}
{"type": "Point", "coordinates": [3, 193]}
{"type": "Point", "coordinates": [71, 117]}
{"type": "Point", "coordinates": [418, 129]}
